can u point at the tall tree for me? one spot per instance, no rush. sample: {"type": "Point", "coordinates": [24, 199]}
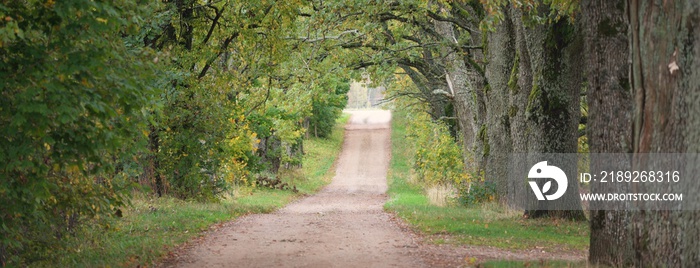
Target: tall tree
{"type": "Point", "coordinates": [466, 82]}
{"type": "Point", "coordinates": [531, 89]}
{"type": "Point", "coordinates": [666, 118]}
{"type": "Point", "coordinates": [609, 126]}
{"type": "Point", "coordinates": [223, 63]}
{"type": "Point", "coordinates": [505, 120]}
{"type": "Point", "coordinates": [659, 113]}
{"type": "Point", "coordinates": [534, 82]}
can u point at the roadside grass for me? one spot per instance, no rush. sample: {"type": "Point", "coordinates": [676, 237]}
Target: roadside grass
{"type": "Point", "coordinates": [534, 264]}
{"type": "Point", "coordinates": [483, 225]}
{"type": "Point", "coordinates": [320, 155]}
{"type": "Point", "coordinates": [151, 227]}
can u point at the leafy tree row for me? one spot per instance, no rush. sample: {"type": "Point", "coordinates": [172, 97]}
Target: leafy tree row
{"type": "Point", "coordinates": [183, 97]}
{"type": "Point", "coordinates": [511, 74]}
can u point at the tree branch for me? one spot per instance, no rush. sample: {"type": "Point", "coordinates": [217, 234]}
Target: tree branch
{"type": "Point", "coordinates": [214, 23]}
{"type": "Point", "coordinates": [223, 48]}
{"type": "Point", "coordinates": [307, 40]}
{"type": "Point", "coordinates": [459, 24]}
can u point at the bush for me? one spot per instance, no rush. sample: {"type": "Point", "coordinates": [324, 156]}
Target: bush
{"type": "Point", "coordinates": [204, 142]}
{"type": "Point", "coordinates": [326, 108]}
{"type": "Point", "coordinates": [438, 158]}
{"type": "Point", "coordinates": [477, 193]}
{"type": "Point", "coordinates": [72, 109]}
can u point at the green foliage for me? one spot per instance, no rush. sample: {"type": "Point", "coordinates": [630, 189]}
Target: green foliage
{"type": "Point", "coordinates": [203, 147]}
{"type": "Point", "coordinates": [279, 129]}
{"type": "Point", "coordinates": [72, 111]}
{"type": "Point", "coordinates": [477, 193]}
{"type": "Point", "coordinates": [556, 10]}
{"type": "Point", "coordinates": [236, 98]}
{"type": "Point", "coordinates": [222, 106]}
{"type": "Point", "coordinates": [327, 107]}
{"type": "Point", "coordinates": [152, 227]}
{"type": "Point", "coordinates": [437, 158]}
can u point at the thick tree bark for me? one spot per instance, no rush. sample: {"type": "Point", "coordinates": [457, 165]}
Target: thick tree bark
{"type": "Point", "coordinates": [503, 117]}
{"type": "Point", "coordinates": [609, 122]}
{"type": "Point", "coordinates": [663, 114]}
{"type": "Point", "coordinates": [532, 88]}
{"type": "Point", "coordinates": [550, 73]}
{"type": "Point", "coordinates": [666, 84]}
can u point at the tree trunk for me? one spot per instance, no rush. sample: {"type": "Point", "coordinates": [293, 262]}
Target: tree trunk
{"type": "Point", "coordinates": [666, 84]}
{"type": "Point", "coordinates": [609, 123]}
{"type": "Point", "coordinates": [502, 114]}
{"type": "Point", "coordinates": [466, 85]}
{"type": "Point", "coordinates": [550, 74]}
{"type": "Point", "coordinates": [184, 7]}
{"type": "Point", "coordinates": [152, 168]}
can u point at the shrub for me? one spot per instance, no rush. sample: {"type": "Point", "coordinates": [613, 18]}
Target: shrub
{"type": "Point", "coordinates": [203, 143]}
{"type": "Point", "coordinates": [326, 108]}
{"type": "Point", "coordinates": [477, 192]}
{"type": "Point", "coordinates": [72, 109]}
{"type": "Point", "coordinates": [438, 158]}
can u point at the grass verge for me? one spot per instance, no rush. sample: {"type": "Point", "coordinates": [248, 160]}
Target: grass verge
{"type": "Point", "coordinates": [534, 264]}
{"type": "Point", "coordinates": [483, 225]}
{"type": "Point", "coordinates": [151, 227]}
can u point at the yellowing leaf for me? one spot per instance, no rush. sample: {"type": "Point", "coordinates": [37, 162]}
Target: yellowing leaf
{"type": "Point", "coordinates": [73, 168]}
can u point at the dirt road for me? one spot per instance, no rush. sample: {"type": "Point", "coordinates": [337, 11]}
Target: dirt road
{"type": "Point", "coordinates": [343, 225]}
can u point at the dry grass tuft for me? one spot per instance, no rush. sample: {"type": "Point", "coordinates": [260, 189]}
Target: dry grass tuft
{"type": "Point", "coordinates": [440, 195]}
